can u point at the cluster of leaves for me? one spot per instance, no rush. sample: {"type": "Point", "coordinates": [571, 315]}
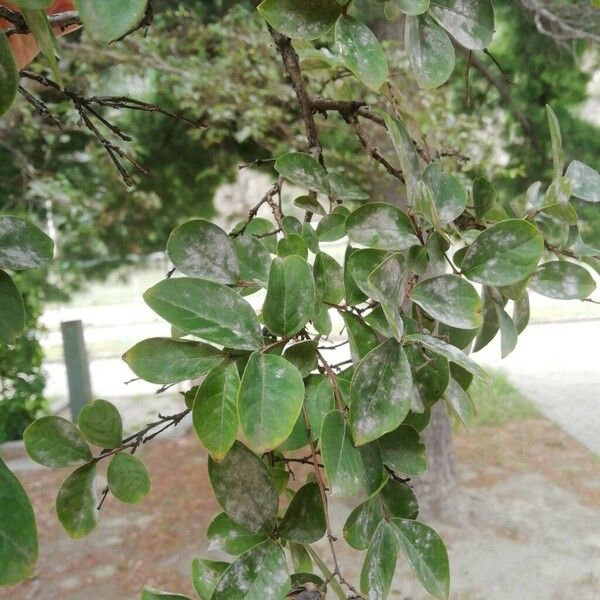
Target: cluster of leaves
{"type": "Point", "coordinates": [251, 311]}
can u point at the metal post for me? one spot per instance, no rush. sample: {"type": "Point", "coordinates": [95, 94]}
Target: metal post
{"type": "Point", "coordinates": [78, 372]}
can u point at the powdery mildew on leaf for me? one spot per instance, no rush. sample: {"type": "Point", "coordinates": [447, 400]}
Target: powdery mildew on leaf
{"type": "Point", "coordinates": [585, 180]}
{"type": "Point", "coordinates": [23, 245]}
{"type": "Point", "coordinates": [470, 22]}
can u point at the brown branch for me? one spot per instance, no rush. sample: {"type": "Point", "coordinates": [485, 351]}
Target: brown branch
{"type": "Point", "coordinates": [61, 20]}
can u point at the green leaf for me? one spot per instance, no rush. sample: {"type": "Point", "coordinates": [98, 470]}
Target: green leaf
{"type": "Point", "coordinates": [309, 235]}
{"type": "Point", "coordinates": [149, 593]}
{"type": "Point", "coordinates": [374, 473]}
{"type": "Point", "coordinates": [452, 353]}
{"type": "Point", "coordinates": [12, 310]}
{"type": "Point", "coordinates": [521, 313]}
{"type": "Point", "coordinates": [343, 464]}
{"type": "Point", "coordinates": [23, 245]}
{"type": "Point", "coordinates": [361, 264]}
{"type": "Point", "coordinates": [226, 535]}
{"type": "Point", "coordinates": [343, 188]}
{"type": "Point", "coordinates": [303, 170]}
{"type": "Point", "coordinates": [205, 575]}
{"type": "Point", "coordinates": [261, 572]}
{"type": "Point", "coordinates": [202, 249]}
{"type": "Point", "coordinates": [362, 338]}
{"type": "Point", "coordinates": [290, 224]}
{"type": "Point", "coordinates": [305, 19]}
{"type": "Point", "coordinates": [165, 360]}
{"type": "Point", "coordinates": [403, 451]}
{"type": "Point", "coordinates": [508, 331]}
{"type": "Point", "coordinates": [258, 227]}
{"type": "Point", "coordinates": [292, 245]}
{"type": "Point", "coordinates": [18, 533]}
{"type": "Point", "coordinates": [398, 500]}
{"type": "Point", "coordinates": [40, 28]}
{"type": "Point", "coordinates": [386, 281]}
{"type": "Point", "coordinates": [505, 253]}
{"type": "Point", "coordinates": [309, 204]}
{"type": "Point", "coordinates": [380, 563]}
{"type": "Point", "coordinates": [269, 400]}
{"type": "Point", "coordinates": [254, 259]}
{"type": "Point", "coordinates": [411, 7]}
{"type": "Point", "coordinates": [362, 52]}
{"type": "Point", "coordinates": [332, 227]}
{"type": "Point", "coordinates": [245, 488]}
{"type": "Point", "coordinates": [329, 278]}
{"type": "Point", "coordinates": [108, 20]}
{"type": "Point", "coordinates": [563, 280]}
{"type": "Point", "coordinates": [426, 554]}
{"type": "Point", "coordinates": [322, 320]}
{"type": "Point", "coordinates": [353, 294]}
{"type": "Point", "coordinates": [381, 392]}
{"type": "Point", "coordinates": [451, 300]}
{"type": "Point", "coordinates": [484, 196]}
{"type": "Point", "coordinates": [100, 424]}
{"type": "Point", "coordinates": [208, 310]}
{"type": "Point", "coordinates": [76, 502]}
{"type": "Point", "coordinates": [471, 24]}
{"type": "Point", "coordinates": [55, 442]}
{"type": "Point", "coordinates": [127, 477]}
{"type": "Point", "coordinates": [558, 155]}
{"type": "Point", "coordinates": [290, 299]}
{"type": "Point", "coordinates": [301, 560]}
{"type": "Point", "coordinates": [407, 153]}
{"type": "Point", "coordinates": [9, 76]}
{"type": "Point", "coordinates": [430, 374]}
{"type": "Point", "coordinates": [319, 401]}
{"type": "Point", "coordinates": [381, 226]}
{"type": "Point", "coordinates": [460, 403]}
{"type": "Point", "coordinates": [215, 410]}
{"type": "Point", "coordinates": [304, 519]}
{"type": "Point", "coordinates": [362, 523]}
{"type": "Point", "coordinates": [585, 180]}
{"type": "Point", "coordinates": [430, 51]}
{"type": "Point", "coordinates": [448, 193]}
{"type": "Point", "coordinates": [303, 356]}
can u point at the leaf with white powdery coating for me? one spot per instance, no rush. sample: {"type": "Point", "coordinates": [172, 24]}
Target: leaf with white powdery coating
{"type": "Point", "coordinates": [503, 254]}
{"type": "Point", "coordinates": [451, 300]}
{"type": "Point", "coordinates": [381, 392]}
{"type": "Point", "coordinates": [108, 20]}
{"type": "Point", "coordinates": [23, 245]}
{"type": "Point", "coordinates": [403, 451]}
{"type": "Point", "coordinates": [585, 180]}
{"type": "Point", "coordinates": [100, 424]}
{"type": "Point", "coordinates": [76, 502]}
{"type": "Point", "coordinates": [380, 563]}
{"type": "Point", "coordinates": [245, 489]}
{"type": "Point", "coordinates": [269, 400]}
{"type": "Point", "coordinates": [260, 573]}
{"type": "Point", "coordinates": [426, 554]}
{"type": "Point", "coordinates": [165, 360]}
{"type": "Point", "coordinates": [205, 575]}
{"type": "Point", "coordinates": [362, 52]}
{"type": "Point", "coordinates": [563, 280]}
{"type": "Point", "coordinates": [343, 463]}
{"type": "Point", "coordinates": [303, 170]}
{"type": "Point", "coordinates": [202, 249]}
{"type": "Point", "coordinates": [470, 23]}
{"type": "Point", "coordinates": [381, 226]}
{"type": "Point", "coordinates": [55, 442]}
{"type": "Point", "coordinates": [209, 310]}
{"type": "Point", "coordinates": [226, 535]}
{"type": "Point", "coordinates": [304, 19]}
{"type": "Point", "coordinates": [127, 477]}
{"type": "Point", "coordinates": [304, 519]}
{"type": "Point", "coordinates": [12, 310]}
{"type": "Point", "coordinates": [215, 415]}
{"type": "Point", "coordinates": [18, 533]}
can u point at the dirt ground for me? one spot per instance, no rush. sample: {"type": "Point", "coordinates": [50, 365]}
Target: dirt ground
{"type": "Point", "coordinates": [533, 531]}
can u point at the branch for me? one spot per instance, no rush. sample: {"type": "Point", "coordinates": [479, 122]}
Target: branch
{"type": "Point", "coordinates": [61, 20]}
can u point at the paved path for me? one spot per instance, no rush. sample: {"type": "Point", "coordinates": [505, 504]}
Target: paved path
{"type": "Point", "coordinates": [557, 366]}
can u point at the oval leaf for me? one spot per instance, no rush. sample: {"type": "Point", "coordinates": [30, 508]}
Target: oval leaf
{"type": "Point", "coordinates": [127, 477]}
{"type": "Point", "coordinates": [100, 424]}
{"type": "Point", "coordinates": [208, 310]}
{"type": "Point", "coordinates": [164, 360]}
{"type": "Point", "coordinates": [471, 23]}
{"type": "Point", "coordinates": [76, 502]}
{"type": "Point", "coordinates": [18, 533]}
{"type": "Point", "coordinates": [381, 226]}
{"type": "Point", "coordinates": [563, 280]}
{"type": "Point", "coordinates": [343, 464]}
{"type": "Point", "coordinates": [226, 535]}
{"type": "Point", "coordinates": [303, 170]}
{"type": "Point", "coordinates": [269, 400]}
{"type": "Point", "coordinates": [430, 51]}
{"type": "Point", "coordinates": [55, 442]}
{"type": "Point", "coordinates": [304, 519]}
{"type": "Point", "coordinates": [245, 489]}
{"type": "Point", "coordinates": [12, 310]}
{"type": "Point", "coordinates": [380, 563]}
{"type": "Point", "coordinates": [585, 181]}
{"type": "Point", "coordinates": [254, 259]}
{"type": "Point", "coordinates": [505, 253]}
{"type": "Point", "coordinates": [200, 248]}
{"type": "Point", "coordinates": [381, 392]}
{"type": "Point", "coordinates": [290, 300]}
{"type": "Point", "coordinates": [451, 300]}
{"type": "Point", "coordinates": [362, 52]}
{"type": "Point", "coordinates": [403, 451]}
{"type": "Point", "coordinates": [108, 20]}
{"type": "Point", "coordinates": [206, 574]}
{"type": "Point", "coordinates": [305, 19]}
{"type": "Point", "coordinates": [23, 245]}
{"type": "Point", "coordinates": [215, 410]}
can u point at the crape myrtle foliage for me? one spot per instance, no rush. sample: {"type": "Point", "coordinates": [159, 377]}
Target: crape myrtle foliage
{"type": "Point", "coordinates": [252, 311]}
